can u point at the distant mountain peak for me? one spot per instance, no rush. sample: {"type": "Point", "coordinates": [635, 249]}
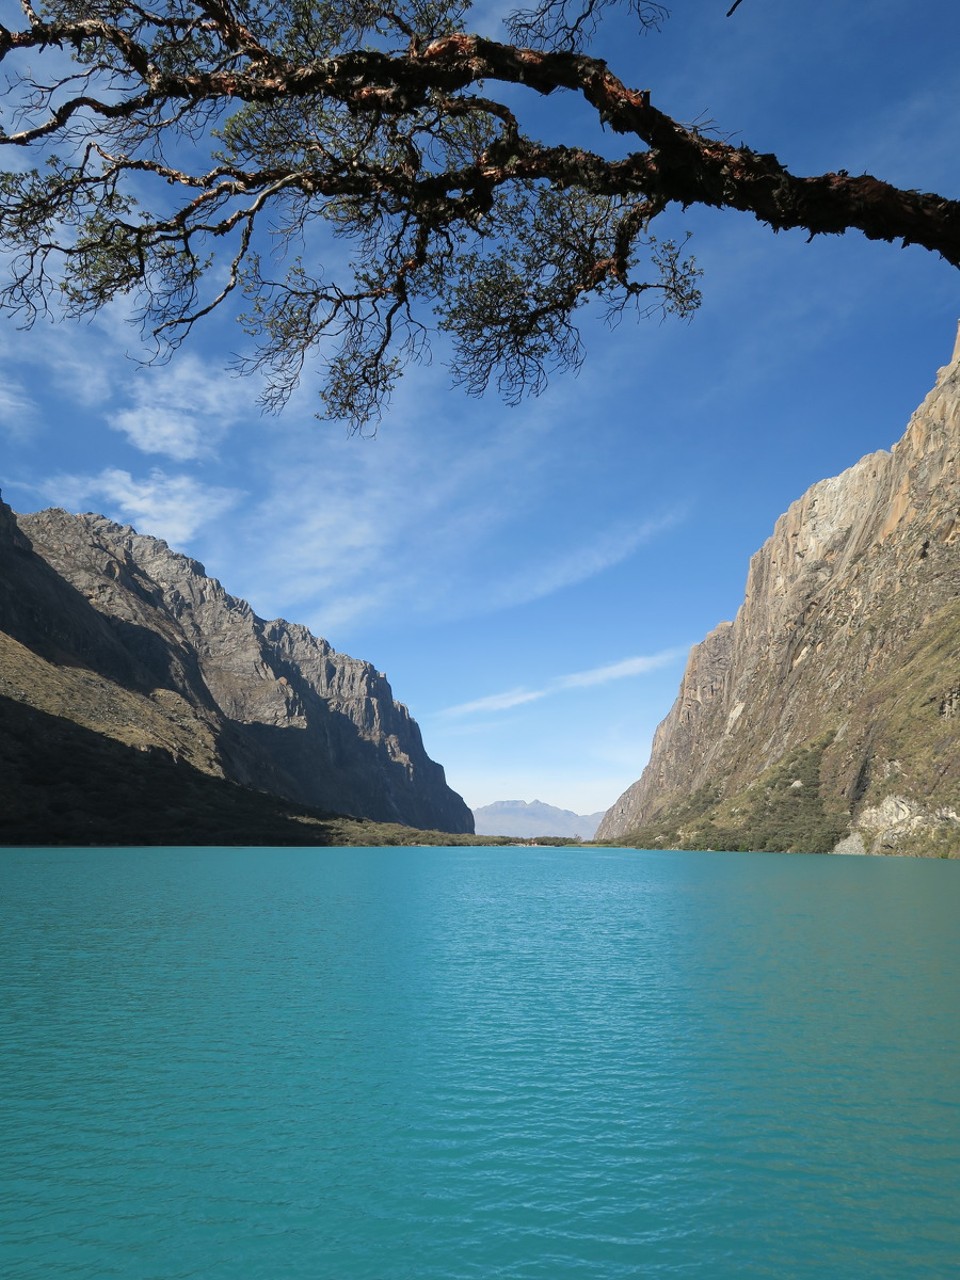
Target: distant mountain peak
{"type": "Point", "coordinates": [533, 818]}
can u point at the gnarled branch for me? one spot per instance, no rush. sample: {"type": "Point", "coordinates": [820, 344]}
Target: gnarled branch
{"type": "Point", "coordinates": [209, 130]}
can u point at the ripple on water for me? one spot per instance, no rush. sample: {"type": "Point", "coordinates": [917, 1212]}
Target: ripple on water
{"type": "Point", "coordinates": [433, 1064]}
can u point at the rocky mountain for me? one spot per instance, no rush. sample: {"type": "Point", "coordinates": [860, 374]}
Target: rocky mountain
{"type": "Point", "coordinates": [520, 818]}
{"type": "Point", "coordinates": [109, 632]}
{"type": "Point", "coordinates": [827, 714]}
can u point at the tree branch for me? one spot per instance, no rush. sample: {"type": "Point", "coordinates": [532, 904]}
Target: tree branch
{"type": "Point", "coordinates": [385, 123]}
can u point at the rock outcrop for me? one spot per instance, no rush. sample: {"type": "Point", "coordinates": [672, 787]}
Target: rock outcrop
{"type": "Point", "coordinates": [118, 634]}
{"type": "Point", "coordinates": [827, 714]}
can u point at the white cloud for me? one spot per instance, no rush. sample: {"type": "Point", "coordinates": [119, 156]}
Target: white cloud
{"type": "Point", "coordinates": [164, 506]}
{"type": "Point", "coordinates": [620, 670]}
{"type": "Point", "coordinates": [18, 411]}
{"type": "Point", "coordinates": [74, 358]}
{"type": "Point", "coordinates": [342, 612]}
{"type": "Point", "coordinates": [78, 361]}
{"type": "Point", "coordinates": [434, 519]}
{"type": "Point", "coordinates": [497, 702]}
{"type": "Point", "coordinates": [576, 680]}
{"type": "Point", "coordinates": [352, 528]}
{"type": "Point", "coordinates": [182, 410]}
{"type": "Point", "coordinates": [609, 548]}
{"type": "Point", "coordinates": [159, 429]}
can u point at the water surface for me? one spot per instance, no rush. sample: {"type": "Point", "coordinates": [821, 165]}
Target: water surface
{"type": "Point", "coordinates": [430, 1064]}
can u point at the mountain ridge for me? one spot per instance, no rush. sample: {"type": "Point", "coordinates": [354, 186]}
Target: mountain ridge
{"type": "Point", "coordinates": [114, 630]}
{"type": "Point", "coordinates": [840, 671]}
{"type": "Point", "coordinates": [533, 818]}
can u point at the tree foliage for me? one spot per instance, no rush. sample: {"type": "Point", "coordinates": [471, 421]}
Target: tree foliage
{"type": "Point", "coordinates": [181, 153]}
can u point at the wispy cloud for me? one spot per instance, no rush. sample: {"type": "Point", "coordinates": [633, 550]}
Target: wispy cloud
{"type": "Point", "coordinates": [165, 506]}
{"type": "Point", "coordinates": [438, 518]}
{"type": "Point", "coordinates": [78, 361]}
{"type": "Point", "coordinates": [608, 548]}
{"type": "Point", "coordinates": [637, 666]}
{"type": "Point", "coordinates": [407, 522]}
{"type": "Point", "coordinates": [19, 413]}
{"type": "Point", "coordinates": [182, 410]}
{"type": "Point", "coordinates": [497, 702]}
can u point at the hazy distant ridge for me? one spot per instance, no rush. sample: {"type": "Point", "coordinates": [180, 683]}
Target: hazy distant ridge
{"type": "Point", "coordinates": [533, 818]}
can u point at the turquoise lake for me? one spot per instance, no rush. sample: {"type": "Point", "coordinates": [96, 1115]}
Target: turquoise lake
{"type": "Point", "coordinates": [534, 1064]}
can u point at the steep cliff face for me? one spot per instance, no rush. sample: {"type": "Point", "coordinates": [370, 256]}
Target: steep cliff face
{"type": "Point", "coordinates": [829, 709]}
{"type": "Point", "coordinates": [116, 632]}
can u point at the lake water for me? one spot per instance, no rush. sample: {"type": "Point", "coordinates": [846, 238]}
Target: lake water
{"type": "Point", "coordinates": [431, 1064]}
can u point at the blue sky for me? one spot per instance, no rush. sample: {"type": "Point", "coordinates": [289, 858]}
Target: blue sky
{"type": "Point", "coordinates": [531, 579]}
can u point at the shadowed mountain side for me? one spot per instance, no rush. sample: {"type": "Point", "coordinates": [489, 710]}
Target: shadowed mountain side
{"type": "Point", "coordinates": [63, 784]}
{"type": "Point", "coordinates": [827, 714]}
{"type": "Point", "coordinates": [115, 632]}
{"type": "Point", "coordinates": [45, 613]}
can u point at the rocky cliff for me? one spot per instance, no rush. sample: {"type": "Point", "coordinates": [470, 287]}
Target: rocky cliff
{"type": "Point", "coordinates": [114, 632]}
{"type": "Point", "coordinates": [827, 714]}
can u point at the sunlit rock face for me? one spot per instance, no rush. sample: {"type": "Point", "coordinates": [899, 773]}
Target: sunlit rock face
{"type": "Point", "coordinates": [116, 631]}
{"type": "Point", "coordinates": [845, 656]}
